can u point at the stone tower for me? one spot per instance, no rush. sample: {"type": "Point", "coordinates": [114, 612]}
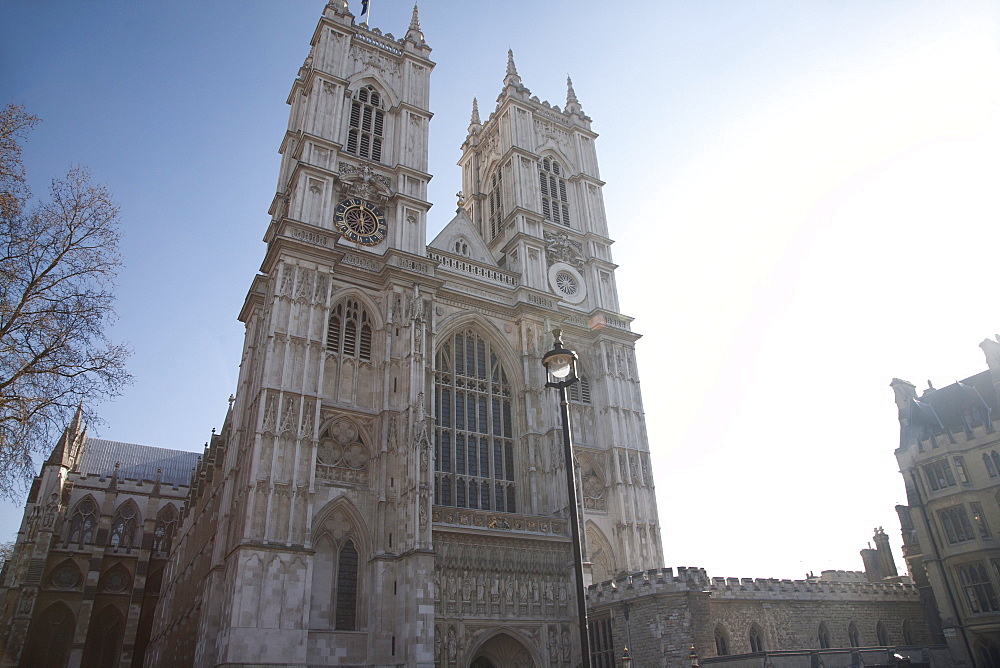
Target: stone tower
{"type": "Point", "coordinates": [388, 486]}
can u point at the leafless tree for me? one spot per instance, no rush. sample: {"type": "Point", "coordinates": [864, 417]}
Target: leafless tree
{"type": "Point", "coordinates": [58, 261]}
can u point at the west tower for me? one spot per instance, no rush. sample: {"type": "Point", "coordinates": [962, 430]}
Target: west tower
{"type": "Point", "coordinates": [388, 485]}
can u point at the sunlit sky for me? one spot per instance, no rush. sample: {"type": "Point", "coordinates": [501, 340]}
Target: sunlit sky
{"type": "Point", "coordinates": [803, 194]}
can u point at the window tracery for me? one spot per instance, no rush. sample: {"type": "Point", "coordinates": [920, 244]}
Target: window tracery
{"type": "Point", "coordinates": [163, 534]}
{"type": "Point", "coordinates": [341, 455]}
{"type": "Point", "coordinates": [853, 636]}
{"type": "Point", "coordinates": [367, 123]}
{"type": "Point", "coordinates": [824, 636]}
{"type": "Point", "coordinates": [123, 528]}
{"type": "Point", "coordinates": [83, 523]}
{"type": "Point", "coordinates": [473, 438]}
{"type": "Point", "coordinates": [555, 201]}
{"type": "Point", "coordinates": [349, 331]}
{"type": "Point", "coordinates": [756, 639]}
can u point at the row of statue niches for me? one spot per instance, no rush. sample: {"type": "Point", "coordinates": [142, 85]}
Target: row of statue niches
{"type": "Point", "coordinates": [493, 593]}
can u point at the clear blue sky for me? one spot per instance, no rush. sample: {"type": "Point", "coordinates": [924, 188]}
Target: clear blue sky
{"type": "Point", "coordinates": [802, 194]}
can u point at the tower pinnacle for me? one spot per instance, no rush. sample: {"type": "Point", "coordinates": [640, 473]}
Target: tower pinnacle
{"type": "Point", "coordinates": [414, 34]}
{"type": "Point", "coordinates": [512, 78]}
{"type": "Point", "coordinates": [572, 103]}
{"type": "Point", "coordinates": [475, 112]}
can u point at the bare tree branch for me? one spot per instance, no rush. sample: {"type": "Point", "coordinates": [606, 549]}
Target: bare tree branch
{"type": "Point", "coordinates": [58, 261]}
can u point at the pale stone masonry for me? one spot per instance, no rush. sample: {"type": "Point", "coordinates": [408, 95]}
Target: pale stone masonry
{"type": "Point", "coordinates": [388, 486]}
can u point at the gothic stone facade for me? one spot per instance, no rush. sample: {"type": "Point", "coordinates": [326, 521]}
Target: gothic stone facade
{"type": "Point", "coordinates": [949, 455]}
{"type": "Point", "coordinates": [388, 488]}
{"type": "Point", "coordinates": [83, 580]}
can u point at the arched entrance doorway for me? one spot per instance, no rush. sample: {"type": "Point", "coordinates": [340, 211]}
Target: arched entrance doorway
{"type": "Point", "coordinates": [503, 651]}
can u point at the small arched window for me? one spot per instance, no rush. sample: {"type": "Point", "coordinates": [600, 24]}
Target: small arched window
{"type": "Point", "coordinates": [123, 528]}
{"type": "Point", "coordinates": [824, 636]}
{"type": "Point", "coordinates": [853, 636]}
{"type": "Point", "coordinates": [350, 332]}
{"type": "Point", "coordinates": [364, 137]}
{"type": "Point", "coordinates": [83, 523]}
{"type": "Point", "coordinates": [347, 588]}
{"type": "Point", "coordinates": [555, 200]}
{"type": "Point", "coordinates": [163, 534]}
{"type": "Point", "coordinates": [907, 632]}
{"type": "Point", "coordinates": [882, 634]}
{"type": "Point", "coordinates": [721, 642]}
{"type": "Point", "coordinates": [462, 247]}
{"type": "Point", "coordinates": [756, 639]}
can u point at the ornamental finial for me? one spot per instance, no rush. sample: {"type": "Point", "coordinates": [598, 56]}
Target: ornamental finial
{"type": "Point", "coordinates": [511, 70]}
{"type": "Point", "coordinates": [415, 19]}
{"type": "Point", "coordinates": [570, 93]}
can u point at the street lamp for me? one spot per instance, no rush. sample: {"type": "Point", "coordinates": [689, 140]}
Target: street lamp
{"type": "Point", "coordinates": [560, 366]}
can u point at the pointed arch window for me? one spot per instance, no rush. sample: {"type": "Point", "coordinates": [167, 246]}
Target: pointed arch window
{"type": "Point", "coordinates": [496, 203]}
{"type": "Point", "coordinates": [853, 636]}
{"type": "Point", "coordinates": [555, 200]}
{"type": "Point", "coordinates": [367, 123]}
{"type": "Point", "coordinates": [721, 642]}
{"type": "Point", "coordinates": [756, 639]}
{"type": "Point", "coordinates": [104, 638]}
{"type": "Point", "coordinates": [474, 433]}
{"type": "Point", "coordinates": [349, 332]}
{"type": "Point", "coordinates": [83, 523]}
{"type": "Point", "coordinates": [882, 634]}
{"type": "Point", "coordinates": [123, 527]}
{"type": "Point", "coordinates": [824, 636]}
{"type": "Point", "coordinates": [50, 637]}
{"type": "Point", "coordinates": [907, 632]}
{"type": "Point", "coordinates": [163, 534]}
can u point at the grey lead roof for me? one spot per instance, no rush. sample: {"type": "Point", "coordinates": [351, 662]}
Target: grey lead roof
{"type": "Point", "coordinates": [138, 462]}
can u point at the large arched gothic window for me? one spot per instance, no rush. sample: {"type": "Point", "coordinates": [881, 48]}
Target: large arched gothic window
{"type": "Point", "coordinates": [474, 436]}
{"type": "Point", "coordinates": [364, 137]}
{"type": "Point", "coordinates": [555, 202]}
{"type": "Point", "coordinates": [350, 331]}
{"type": "Point", "coordinates": [50, 637]}
{"type": "Point", "coordinates": [83, 523]}
{"type": "Point", "coordinates": [123, 527]}
{"type": "Point", "coordinates": [756, 639]}
{"type": "Point", "coordinates": [104, 638]}
{"type": "Point", "coordinates": [163, 534]}
{"type": "Point", "coordinates": [337, 592]}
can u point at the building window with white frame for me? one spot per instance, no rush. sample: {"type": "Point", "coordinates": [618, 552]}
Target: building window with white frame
{"type": "Point", "coordinates": [979, 593]}
{"type": "Point", "coordinates": [367, 123]}
{"type": "Point", "coordinates": [555, 199]}
{"type": "Point", "coordinates": [956, 525]}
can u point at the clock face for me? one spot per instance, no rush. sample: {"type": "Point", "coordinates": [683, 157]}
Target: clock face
{"type": "Point", "coordinates": [360, 221]}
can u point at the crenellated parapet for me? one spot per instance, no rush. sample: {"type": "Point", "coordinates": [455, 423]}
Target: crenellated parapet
{"type": "Point", "coordinates": [688, 580]}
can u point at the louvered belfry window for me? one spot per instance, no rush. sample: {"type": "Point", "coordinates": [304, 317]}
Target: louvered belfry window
{"type": "Point", "coordinates": [349, 332]}
{"type": "Point", "coordinates": [364, 137]}
{"type": "Point", "coordinates": [496, 203]}
{"type": "Point", "coordinates": [474, 433]}
{"type": "Point", "coordinates": [555, 201]}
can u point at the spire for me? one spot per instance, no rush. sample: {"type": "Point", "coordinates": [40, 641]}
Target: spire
{"type": "Point", "coordinates": [572, 104]}
{"type": "Point", "coordinates": [414, 34]}
{"type": "Point", "coordinates": [475, 112]}
{"type": "Point", "coordinates": [475, 124]}
{"type": "Point", "coordinates": [512, 78]}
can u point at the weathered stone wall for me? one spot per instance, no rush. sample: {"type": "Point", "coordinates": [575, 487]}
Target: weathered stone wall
{"type": "Point", "coordinates": [660, 615]}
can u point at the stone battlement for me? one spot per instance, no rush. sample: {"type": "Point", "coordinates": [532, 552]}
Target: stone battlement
{"type": "Point", "coordinates": [663, 581]}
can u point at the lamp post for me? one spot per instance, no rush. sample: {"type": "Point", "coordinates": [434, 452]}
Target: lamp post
{"type": "Point", "coordinates": [560, 366]}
